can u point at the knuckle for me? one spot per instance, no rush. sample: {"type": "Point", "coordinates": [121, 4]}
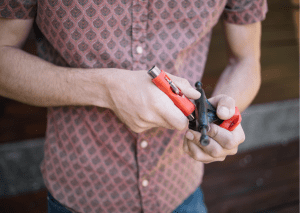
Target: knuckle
{"type": "Point", "coordinates": [185, 82]}
{"type": "Point", "coordinates": [243, 137]}
{"type": "Point", "coordinates": [227, 100]}
{"type": "Point", "coordinates": [207, 162]}
{"type": "Point", "coordinates": [230, 145]}
{"type": "Point", "coordinates": [180, 128]}
{"type": "Point", "coordinates": [215, 153]}
{"type": "Point", "coordinates": [222, 159]}
{"type": "Point", "coordinates": [135, 129]}
{"type": "Point", "coordinates": [197, 156]}
{"type": "Point", "coordinates": [156, 105]}
{"type": "Point", "coordinates": [182, 82]}
{"type": "Point", "coordinates": [139, 127]}
{"type": "Point", "coordinates": [221, 97]}
{"type": "Point", "coordinates": [139, 131]}
{"type": "Point", "coordinates": [148, 116]}
{"type": "Point", "coordinates": [234, 151]}
{"type": "Point", "coordinates": [181, 125]}
{"type": "Point", "coordinates": [142, 125]}
{"type": "Point", "coordinates": [230, 100]}
{"type": "Point", "coordinates": [214, 131]}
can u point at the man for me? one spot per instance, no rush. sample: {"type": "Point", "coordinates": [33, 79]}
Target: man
{"type": "Point", "coordinates": [114, 141]}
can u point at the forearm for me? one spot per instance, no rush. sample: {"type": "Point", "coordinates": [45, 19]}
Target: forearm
{"type": "Point", "coordinates": [240, 80]}
{"type": "Point", "coordinates": [31, 80]}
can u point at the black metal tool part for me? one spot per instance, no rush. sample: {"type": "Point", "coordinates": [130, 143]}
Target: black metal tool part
{"type": "Point", "coordinates": [205, 114]}
{"type": "Point", "coordinates": [202, 115]}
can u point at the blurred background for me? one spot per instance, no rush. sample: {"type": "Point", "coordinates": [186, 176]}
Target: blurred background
{"type": "Point", "coordinates": [262, 177]}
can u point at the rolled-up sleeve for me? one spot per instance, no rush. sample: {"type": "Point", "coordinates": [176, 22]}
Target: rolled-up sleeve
{"type": "Point", "coordinates": [245, 11]}
{"type": "Point", "coordinates": [18, 9]}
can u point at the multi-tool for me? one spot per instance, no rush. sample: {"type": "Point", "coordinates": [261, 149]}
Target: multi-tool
{"type": "Point", "coordinates": [201, 115]}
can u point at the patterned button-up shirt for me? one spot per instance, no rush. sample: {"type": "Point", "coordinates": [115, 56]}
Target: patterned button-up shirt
{"type": "Point", "coordinates": [93, 162]}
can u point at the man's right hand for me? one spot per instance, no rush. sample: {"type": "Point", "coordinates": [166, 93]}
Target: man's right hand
{"type": "Point", "coordinates": [138, 103]}
{"type": "Point", "coordinates": [130, 94]}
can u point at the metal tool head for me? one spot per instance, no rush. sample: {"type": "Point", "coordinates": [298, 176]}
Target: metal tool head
{"type": "Point", "coordinates": [204, 140]}
{"type": "Point", "coordinates": [154, 72]}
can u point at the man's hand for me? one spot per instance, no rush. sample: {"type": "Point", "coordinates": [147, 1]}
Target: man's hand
{"type": "Point", "coordinates": [138, 103]}
{"type": "Point", "coordinates": [222, 141]}
{"type": "Point", "coordinates": [130, 94]}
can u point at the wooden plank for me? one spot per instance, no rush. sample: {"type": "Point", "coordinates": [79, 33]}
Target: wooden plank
{"type": "Point", "coordinates": [280, 72]}
{"type": "Point", "coordinates": [273, 155]}
{"type": "Point", "coordinates": [284, 89]}
{"type": "Point", "coordinates": [258, 181]}
{"type": "Point", "coordinates": [253, 181]}
{"type": "Point", "coordinates": [35, 202]}
{"type": "Point", "coordinates": [253, 201]}
{"type": "Point", "coordinates": [292, 207]}
{"type": "Point", "coordinates": [15, 129]}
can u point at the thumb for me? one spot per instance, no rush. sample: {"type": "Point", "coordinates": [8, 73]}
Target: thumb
{"type": "Point", "coordinates": [185, 87]}
{"type": "Point", "coordinates": [225, 106]}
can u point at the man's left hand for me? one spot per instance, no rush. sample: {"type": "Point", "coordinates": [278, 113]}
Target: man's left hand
{"type": "Point", "coordinates": [222, 141]}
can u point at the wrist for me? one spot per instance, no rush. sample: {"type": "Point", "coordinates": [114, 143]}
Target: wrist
{"type": "Point", "coordinates": [89, 86]}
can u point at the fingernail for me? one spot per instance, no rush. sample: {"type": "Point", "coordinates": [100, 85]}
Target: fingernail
{"type": "Point", "coordinates": [224, 111]}
{"type": "Point", "coordinates": [189, 136]}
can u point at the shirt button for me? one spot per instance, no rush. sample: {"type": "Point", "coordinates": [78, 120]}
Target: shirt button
{"type": "Point", "coordinates": [139, 50]}
{"type": "Point", "coordinates": [144, 144]}
{"type": "Point", "coordinates": [145, 183]}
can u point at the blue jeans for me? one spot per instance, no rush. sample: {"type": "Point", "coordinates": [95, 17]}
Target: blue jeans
{"type": "Point", "coordinates": [194, 203]}
{"type": "Point", "coordinates": [54, 206]}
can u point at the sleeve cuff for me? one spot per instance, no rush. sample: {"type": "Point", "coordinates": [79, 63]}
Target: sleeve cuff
{"type": "Point", "coordinates": [255, 12]}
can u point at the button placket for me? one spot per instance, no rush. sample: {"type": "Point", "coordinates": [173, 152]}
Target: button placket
{"type": "Point", "coordinates": [143, 158]}
{"type": "Point", "coordinates": [139, 26]}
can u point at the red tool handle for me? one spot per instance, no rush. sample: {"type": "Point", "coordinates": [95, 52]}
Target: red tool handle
{"type": "Point", "coordinates": [232, 122]}
{"type": "Point", "coordinates": [182, 102]}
